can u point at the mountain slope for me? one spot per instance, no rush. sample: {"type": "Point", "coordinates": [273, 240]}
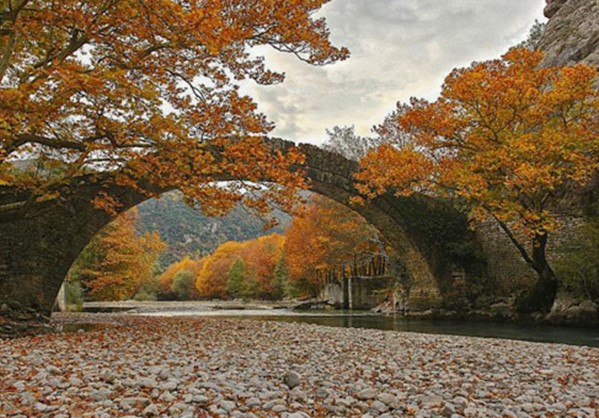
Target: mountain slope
{"type": "Point", "coordinates": [188, 232]}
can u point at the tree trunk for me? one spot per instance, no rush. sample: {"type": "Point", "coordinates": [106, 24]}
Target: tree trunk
{"type": "Point", "coordinates": [542, 295]}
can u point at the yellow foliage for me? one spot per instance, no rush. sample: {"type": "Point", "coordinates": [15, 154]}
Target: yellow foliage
{"type": "Point", "coordinates": [506, 136]}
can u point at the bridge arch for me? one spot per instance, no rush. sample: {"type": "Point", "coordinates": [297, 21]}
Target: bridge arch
{"type": "Point", "coordinates": [36, 254]}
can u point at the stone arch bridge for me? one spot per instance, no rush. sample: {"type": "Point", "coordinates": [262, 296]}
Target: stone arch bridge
{"type": "Point", "coordinates": [432, 240]}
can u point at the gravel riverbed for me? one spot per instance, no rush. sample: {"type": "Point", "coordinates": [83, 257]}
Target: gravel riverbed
{"type": "Point", "coordinates": [204, 367]}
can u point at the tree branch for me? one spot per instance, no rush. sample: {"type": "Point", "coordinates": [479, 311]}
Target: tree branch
{"type": "Point", "coordinates": [42, 140]}
{"type": "Point", "coordinates": [10, 15]}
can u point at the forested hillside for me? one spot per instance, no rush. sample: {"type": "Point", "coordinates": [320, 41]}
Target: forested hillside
{"type": "Point", "coordinates": [189, 232]}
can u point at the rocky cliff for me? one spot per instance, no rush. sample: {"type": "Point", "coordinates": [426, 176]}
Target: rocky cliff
{"type": "Point", "coordinates": [572, 33]}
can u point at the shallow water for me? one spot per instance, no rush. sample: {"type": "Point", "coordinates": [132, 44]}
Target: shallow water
{"type": "Point", "coordinates": [347, 319]}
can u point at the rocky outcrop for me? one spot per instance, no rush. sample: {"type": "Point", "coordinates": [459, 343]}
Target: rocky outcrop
{"type": "Point", "coordinates": [572, 33]}
{"type": "Point", "coordinates": [553, 7]}
{"type": "Point", "coordinates": [569, 310]}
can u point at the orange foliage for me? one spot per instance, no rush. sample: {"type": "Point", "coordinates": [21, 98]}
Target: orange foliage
{"type": "Point", "coordinates": [117, 261]}
{"type": "Point", "coordinates": [147, 92]}
{"type": "Point", "coordinates": [509, 139]}
{"type": "Point", "coordinates": [324, 236]}
{"type": "Point", "coordinates": [260, 256]}
{"type": "Point", "coordinates": [212, 280]}
{"type": "Point", "coordinates": [186, 263]}
{"type": "Point", "coordinates": [506, 136]}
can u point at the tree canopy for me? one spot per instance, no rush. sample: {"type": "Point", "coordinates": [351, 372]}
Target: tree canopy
{"type": "Point", "coordinates": [254, 278]}
{"type": "Point", "coordinates": [117, 261]}
{"type": "Point", "coordinates": [325, 237]}
{"type": "Point", "coordinates": [144, 94]}
{"type": "Point", "coordinates": [167, 278]}
{"type": "Point", "coordinates": [506, 138]}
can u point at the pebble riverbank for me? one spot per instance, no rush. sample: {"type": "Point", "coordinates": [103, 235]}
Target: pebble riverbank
{"type": "Point", "coordinates": [205, 367]}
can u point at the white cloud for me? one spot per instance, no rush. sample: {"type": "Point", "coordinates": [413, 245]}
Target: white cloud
{"type": "Point", "coordinates": [400, 48]}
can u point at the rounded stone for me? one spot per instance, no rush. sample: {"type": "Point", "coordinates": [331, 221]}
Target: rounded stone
{"type": "Point", "coordinates": [292, 379]}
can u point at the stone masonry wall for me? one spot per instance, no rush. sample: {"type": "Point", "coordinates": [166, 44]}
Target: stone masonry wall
{"type": "Point", "coordinates": [508, 272]}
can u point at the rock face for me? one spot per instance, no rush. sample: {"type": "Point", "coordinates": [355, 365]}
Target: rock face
{"type": "Point", "coordinates": [552, 7]}
{"type": "Point", "coordinates": [572, 33]}
{"type": "Point", "coordinates": [568, 310]}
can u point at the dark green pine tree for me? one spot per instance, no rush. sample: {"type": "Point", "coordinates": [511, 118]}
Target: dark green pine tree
{"type": "Point", "coordinates": [236, 278]}
{"type": "Point", "coordinates": [183, 284]}
{"type": "Point", "coordinates": [281, 278]}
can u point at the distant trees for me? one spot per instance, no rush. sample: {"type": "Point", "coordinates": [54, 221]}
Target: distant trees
{"type": "Point", "coordinates": [506, 139]}
{"type": "Point", "coordinates": [183, 284]}
{"type": "Point", "coordinates": [241, 269]}
{"type": "Point", "coordinates": [325, 240]}
{"type": "Point", "coordinates": [117, 261]}
{"type": "Point", "coordinates": [281, 285]}
{"type": "Point", "coordinates": [167, 278]}
{"type": "Point", "coordinates": [211, 281]}
{"type": "Point", "coordinates": [322, 239]}
{"type": "Point", "coordinates": [345, 141]}
{"type": "Point", "coordinates": [189, 232]}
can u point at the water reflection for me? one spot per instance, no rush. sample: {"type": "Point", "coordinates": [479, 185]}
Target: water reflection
{"type": "Point", "coordinates": [354, 319]}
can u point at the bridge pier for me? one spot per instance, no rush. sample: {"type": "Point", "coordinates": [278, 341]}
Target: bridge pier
{"type": "Point", "coordinates": [37, 253]}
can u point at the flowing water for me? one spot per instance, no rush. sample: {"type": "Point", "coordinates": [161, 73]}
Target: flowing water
{"type": "Point", "coordinates": [354, 319]}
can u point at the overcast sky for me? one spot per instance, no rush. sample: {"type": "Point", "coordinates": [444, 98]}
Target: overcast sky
{"type": "Point", "coordinates": [400, 49]}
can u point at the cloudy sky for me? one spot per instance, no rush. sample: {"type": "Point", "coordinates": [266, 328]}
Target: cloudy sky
{"type": "Point", "coordinates": [400, 48]}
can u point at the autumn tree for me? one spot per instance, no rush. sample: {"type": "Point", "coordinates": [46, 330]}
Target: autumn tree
{"type": "Point", "coordinates": [212, 279]}
{"type": "Point", "coordinates": [507, 139]}
{"type": "Point", "coordinates": [325, 236]}
{"type": "Point", "coordinates": [251, 289]}
{"type": "Point", "coordinates": [236, 278]}
{"type": "Point", "coordinates": [149, 289]}
{"type": "Point", "coordinates": [117, 261]}
{"type": "Point", "coordinates": [259, 256]}
{"type": "Point", "coordinates": [144, 95]}
{"type": "Point", "coordinates": [166, 279]}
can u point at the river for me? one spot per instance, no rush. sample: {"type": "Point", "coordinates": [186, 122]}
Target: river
{"type": "Point", "coordinates": [356, 319]}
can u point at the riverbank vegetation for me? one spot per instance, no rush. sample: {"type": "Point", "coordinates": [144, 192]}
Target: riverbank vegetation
{"type": "Point", "coordinates": [117, 263]}
{"type": "Point", "coordinates": [324, 242]}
